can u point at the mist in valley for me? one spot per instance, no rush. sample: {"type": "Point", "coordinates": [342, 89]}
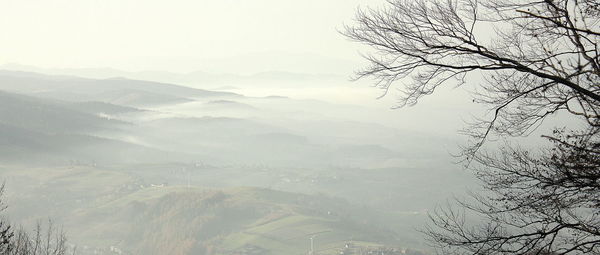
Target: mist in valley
{"type": "Point", "coordinates": [215, 147]}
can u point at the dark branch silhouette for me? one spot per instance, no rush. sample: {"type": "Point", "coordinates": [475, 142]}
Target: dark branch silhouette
{"type": "Point", "coordinates": [537, 58]}
{"type": "Point", "coordinates": [44, 240]}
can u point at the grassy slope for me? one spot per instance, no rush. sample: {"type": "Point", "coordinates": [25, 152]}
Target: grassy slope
{"type": "Point", "coordinates": [115, 211]}
{"type": "Point", "coordinates": [191, 220]}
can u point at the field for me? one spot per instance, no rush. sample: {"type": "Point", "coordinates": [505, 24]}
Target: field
{"type": "Point", "coordinates": [120, 210]}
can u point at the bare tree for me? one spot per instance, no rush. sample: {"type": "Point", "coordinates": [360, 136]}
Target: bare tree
{"type": "Point", "coordinates": [44, 240]}
{"type": "Point", "coordinates": [6, 231]}
{"type": "Point", "coordinates": [537, 58]}
{"type": "Point", "coordinates": [542, 203]}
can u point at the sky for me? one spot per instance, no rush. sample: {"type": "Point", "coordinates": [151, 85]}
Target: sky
{"type": "Point", "coordinates": [214, 36]}
{"type": "Point", "coordinates": [225, 36]}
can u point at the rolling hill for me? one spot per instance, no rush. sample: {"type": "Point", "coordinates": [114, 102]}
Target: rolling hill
{"type": "Point", "coordinates": [103, 208]}
{"type": "Point", "coordinates": [176, 220]}
{"type": "Point", "coordinates": [116, 90]}
{"type": "Point", "coordinates": [49, 116]}
{"type": "Point", "coordinates": [37, 130]}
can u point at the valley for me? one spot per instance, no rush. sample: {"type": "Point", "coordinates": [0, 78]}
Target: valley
{"type": "Point", "coordinates": [140, 167]}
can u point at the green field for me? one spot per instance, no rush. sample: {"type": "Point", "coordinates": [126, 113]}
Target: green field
{"type": "Point", "coordinates": [140, 218]}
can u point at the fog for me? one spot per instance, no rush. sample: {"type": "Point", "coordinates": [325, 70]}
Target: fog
{"type": "Point", "coordinates": [215, 127]}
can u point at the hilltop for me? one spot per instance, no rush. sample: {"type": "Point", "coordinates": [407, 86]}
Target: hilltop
{"type": "Point", "coordinates": [123, 211]}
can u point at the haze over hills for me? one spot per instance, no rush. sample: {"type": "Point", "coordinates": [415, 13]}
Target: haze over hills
{"type": "Point", "coordinates": [50, 115]}
{"type": "Point", "coordinates": [217, 128]}
{"type": "Point", "coordinates": [105, 155]}
{"type": "Point", "coordinates": [189, 78]}
{"type": "Point", "coordinates": [116, 90]}
{"type": "Point", "coordinates": [39, 131]}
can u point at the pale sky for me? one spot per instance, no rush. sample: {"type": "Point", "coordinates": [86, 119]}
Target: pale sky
{"type": "Point", "coordinates": [179, 35]}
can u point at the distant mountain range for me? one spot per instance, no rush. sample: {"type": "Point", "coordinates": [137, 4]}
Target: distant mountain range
{"type": "Point", "coordinates": [190, 122]}
{"type": "Point", "coordinates": [61, 118]}
{"type": "Point", "coordinates": [110, 159]}
{"type": "Point", "coordinates": [116, 90]}
{"type": "Point", "coordinates": [198, 79]}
